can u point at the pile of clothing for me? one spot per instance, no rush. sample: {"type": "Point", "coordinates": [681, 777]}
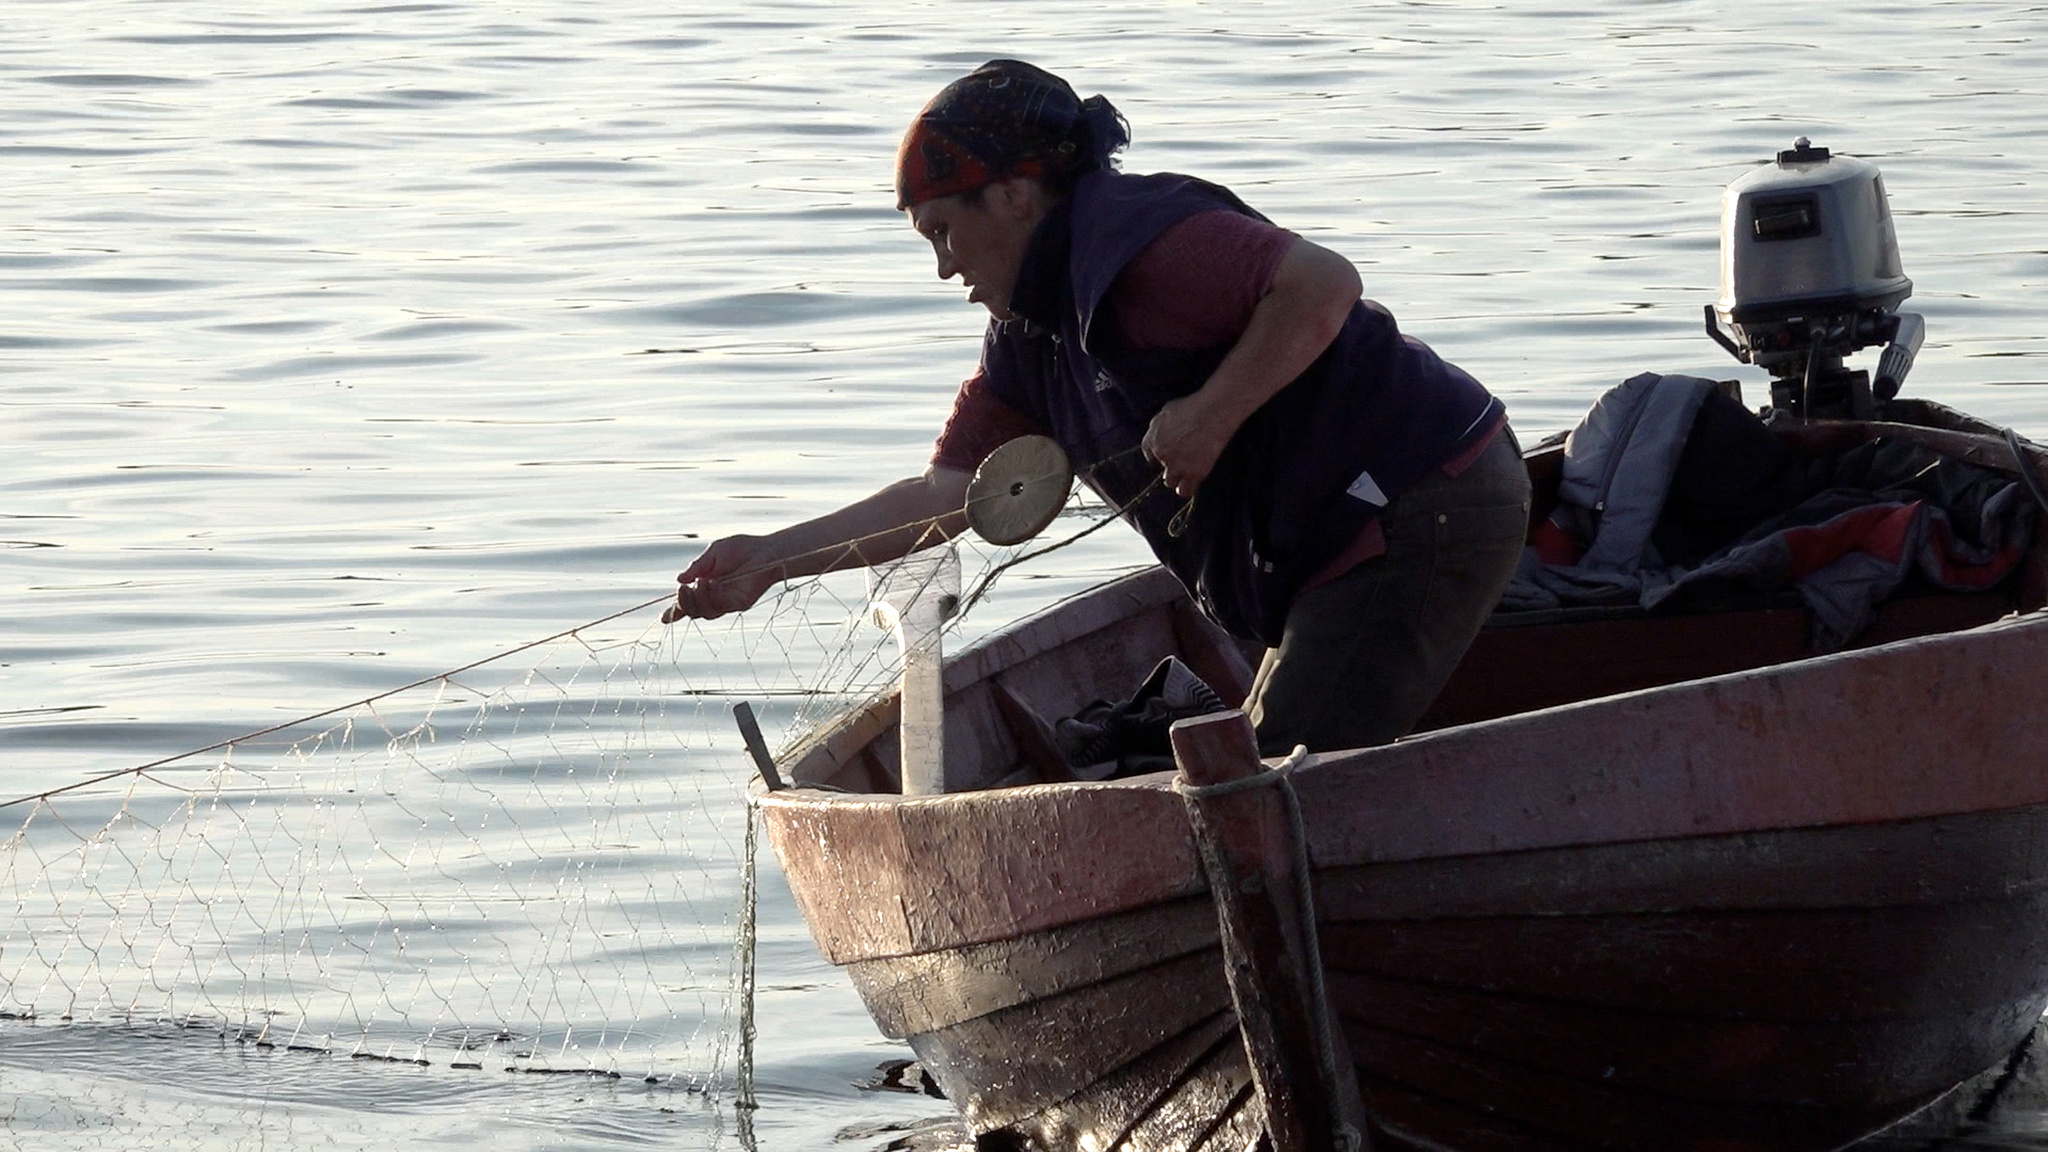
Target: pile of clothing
{"type": "Point", "coordinates": [1117, 738]}
{"type": "Point", "coordinates": [1672, 489]}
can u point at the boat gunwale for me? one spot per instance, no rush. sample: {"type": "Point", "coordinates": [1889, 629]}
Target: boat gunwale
{"type": "Point", "coordinates": [1321, 763]}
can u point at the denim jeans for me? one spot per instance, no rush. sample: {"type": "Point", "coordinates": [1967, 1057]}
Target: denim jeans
{"type": "Point", "coordinates": [1363, 655]}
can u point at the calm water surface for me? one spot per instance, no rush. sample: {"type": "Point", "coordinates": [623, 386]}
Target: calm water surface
{"type": "Point", "coordinates": [340, 345]}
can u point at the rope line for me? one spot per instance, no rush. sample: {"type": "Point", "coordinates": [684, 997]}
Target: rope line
{"type": "Point", "coordinates": [745, 945]}
{"type": "Point", "coordinates": [326, 712]}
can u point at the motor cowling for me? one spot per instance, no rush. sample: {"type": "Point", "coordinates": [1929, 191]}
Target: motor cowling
{"type": "Point", "coordinates": [1810, 273]}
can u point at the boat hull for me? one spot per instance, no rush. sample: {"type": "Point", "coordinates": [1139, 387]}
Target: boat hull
{"type": "Point", "coordinates": [1774, 910]}
{"type": "Point", "coordinates": [1790, 989]}
{"type": "Point", "coordinates": [1569, 998]}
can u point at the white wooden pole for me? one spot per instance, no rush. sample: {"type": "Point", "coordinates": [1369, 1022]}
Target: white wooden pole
{"type": "Point", "coordinates": [914, 597]}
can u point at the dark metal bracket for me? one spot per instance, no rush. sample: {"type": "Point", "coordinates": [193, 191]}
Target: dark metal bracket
{"type": "Point", "coordinates": [750, 731]}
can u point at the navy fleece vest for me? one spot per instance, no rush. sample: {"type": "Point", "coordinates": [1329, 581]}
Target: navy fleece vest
{"type": "Point", "coordinates": [1298, 481]}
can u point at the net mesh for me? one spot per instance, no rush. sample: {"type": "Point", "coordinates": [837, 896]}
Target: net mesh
{"type": "Point", "coordinates": [536, 864]}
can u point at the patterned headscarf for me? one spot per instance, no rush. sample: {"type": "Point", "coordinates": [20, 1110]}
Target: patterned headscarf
{"type": "Point", "coordinates": [1002, 120]}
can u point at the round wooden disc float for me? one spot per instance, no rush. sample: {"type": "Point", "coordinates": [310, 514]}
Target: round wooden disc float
{"type": "Point", "coordinates": [1018, 490]}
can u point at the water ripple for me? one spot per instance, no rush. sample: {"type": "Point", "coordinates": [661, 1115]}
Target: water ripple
{"type": "Point", "coordinates": [122, 285]}
{"type": "Point", "coordinates": [112, 80]}
{"type": "Point", "coordinates": [328, 365]}
{"type": "Point", "coordinates": [573, 166]}
{"type": "Point", "coordinates": [205, 39]}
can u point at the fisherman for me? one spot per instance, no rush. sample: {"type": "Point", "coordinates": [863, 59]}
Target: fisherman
{"type": "Point", "coordinates": [1321, 483]}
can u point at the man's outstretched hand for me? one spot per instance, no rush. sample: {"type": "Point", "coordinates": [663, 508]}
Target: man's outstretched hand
{"type": "Point", "coordinates": [729, 576]}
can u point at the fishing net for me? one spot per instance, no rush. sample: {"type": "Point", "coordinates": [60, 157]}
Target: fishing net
{"type": "Point", "coordinates": [534, 864]}
{"type": "Point", "coordinates": [538, 864]}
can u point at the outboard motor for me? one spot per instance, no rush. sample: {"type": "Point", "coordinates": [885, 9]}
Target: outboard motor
{"type": "Point", "coordinates": [1809, 274]}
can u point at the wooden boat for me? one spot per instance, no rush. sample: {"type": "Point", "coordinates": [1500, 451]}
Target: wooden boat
{"type": "Point", "coordinates": [1642, 881]}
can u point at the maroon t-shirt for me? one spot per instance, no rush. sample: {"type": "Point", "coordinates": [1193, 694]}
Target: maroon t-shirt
{"type": "Point", "coordinates": [1193, 287]}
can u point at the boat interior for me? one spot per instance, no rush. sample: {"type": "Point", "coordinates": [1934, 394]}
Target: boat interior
{"type": "Point", "coordinates": [1005, 693]}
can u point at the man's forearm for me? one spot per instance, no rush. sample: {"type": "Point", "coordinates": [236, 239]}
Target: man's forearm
{"type": "Point", "coordinates": [1312, 293]}
{"type": "Point", "coordinates": [905, 516]}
